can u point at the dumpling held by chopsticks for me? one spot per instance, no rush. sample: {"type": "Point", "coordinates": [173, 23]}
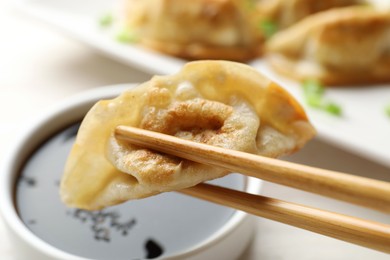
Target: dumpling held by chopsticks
{"type": "Point", "coordinates": [219, 103]}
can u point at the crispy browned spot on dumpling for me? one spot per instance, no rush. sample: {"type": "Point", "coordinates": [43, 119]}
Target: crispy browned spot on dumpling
{"type": "Point", "coordinates": [220, 103]}
{"type": "Point", "coordinates": [341, 46]}
{"type": "Point", "coordinates": [196, 29]}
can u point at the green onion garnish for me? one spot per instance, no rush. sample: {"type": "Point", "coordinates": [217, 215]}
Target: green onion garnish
{"type": "Point", "coordinates": [268, 28]}
{"type": "Point", "coordinates": [333, 108]}
{"type": "Point", "coordinates": [314, 96]}
{"type": "Point", "coordinates": [313, 91]}
{"type": "Point", "coordinates": [126, 36]}
{"type": "Point", "coordinates": [106, 20]}
{"type": "Point", "coordinates": [387, 110]}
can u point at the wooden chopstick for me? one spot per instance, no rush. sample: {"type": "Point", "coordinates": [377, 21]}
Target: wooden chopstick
{"type": "Point", "coordinates": [354, 230]}
{"type": "Point", "coordinates": [350, 229]}
{"type": "Point", "coordinates": [362, 191]}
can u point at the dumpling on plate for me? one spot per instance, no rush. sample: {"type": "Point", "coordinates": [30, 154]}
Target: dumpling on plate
{"type": "Point", "coordinates": [220, 103]}
{"type": "Point", "coordinates": [342, 46]}
{"type": "Point", "coordinates": [197, 29]}
{"type": "Point", "coordinates": [287, 12]}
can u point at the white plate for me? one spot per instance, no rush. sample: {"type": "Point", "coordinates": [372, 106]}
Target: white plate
{"type": "Point", "coordinates": [364, 128]}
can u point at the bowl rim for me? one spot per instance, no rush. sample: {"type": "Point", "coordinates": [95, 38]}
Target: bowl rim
{"type": "Point", "coordinates": [12, 163]}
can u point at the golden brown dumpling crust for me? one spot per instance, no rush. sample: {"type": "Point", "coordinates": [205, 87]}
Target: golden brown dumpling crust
{"type": "Point", "coordinates": [285, 13]}
{"type": "Point", "coordinates": [339, 47]}
{"type": "Point", "coordinates": [220, 103]}
{"type": "Point", "coordinates": [197, 29]}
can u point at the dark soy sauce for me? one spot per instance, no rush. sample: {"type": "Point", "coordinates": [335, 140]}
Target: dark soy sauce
{"type": "Point", "coordinates": [142, 229]}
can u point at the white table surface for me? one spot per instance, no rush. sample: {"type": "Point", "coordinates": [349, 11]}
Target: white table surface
{"type": "Point", "coordinates": [39, 66]}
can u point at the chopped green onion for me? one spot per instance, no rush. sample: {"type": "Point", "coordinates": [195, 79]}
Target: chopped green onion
{"type": "Point", "coordinates": [313, 91]}
{"type": "Point", "coordinates": [268, 28]}
{"type": "Point", "coordinates": [387, 110]}
{"type": "Point", "coordinates": [313, 87]}
{"type": "Point", "coordinates": [314, 101]}
{"type": "Point", "coordinates": [314, 96]}
{"type": "Point", "coordinates": [126, 36]}
{"type": "Point", "coordinates": [106, 20]}
{"type": "Point", "coordinates": [333, 108]}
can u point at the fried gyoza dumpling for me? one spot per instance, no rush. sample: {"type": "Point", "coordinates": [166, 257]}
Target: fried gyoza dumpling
{"type": "Point", "coordinates": [220, 103]}
{"type": "Point", "coordinates": [197, 29]}
{"type": "Point", "coordinates": [287, 12]}
{"type": "Point", "coordinates": [348, 45]}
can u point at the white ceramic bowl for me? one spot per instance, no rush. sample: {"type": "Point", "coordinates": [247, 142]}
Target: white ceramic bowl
{"type": "Point", "coordinates": [227, 241]}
